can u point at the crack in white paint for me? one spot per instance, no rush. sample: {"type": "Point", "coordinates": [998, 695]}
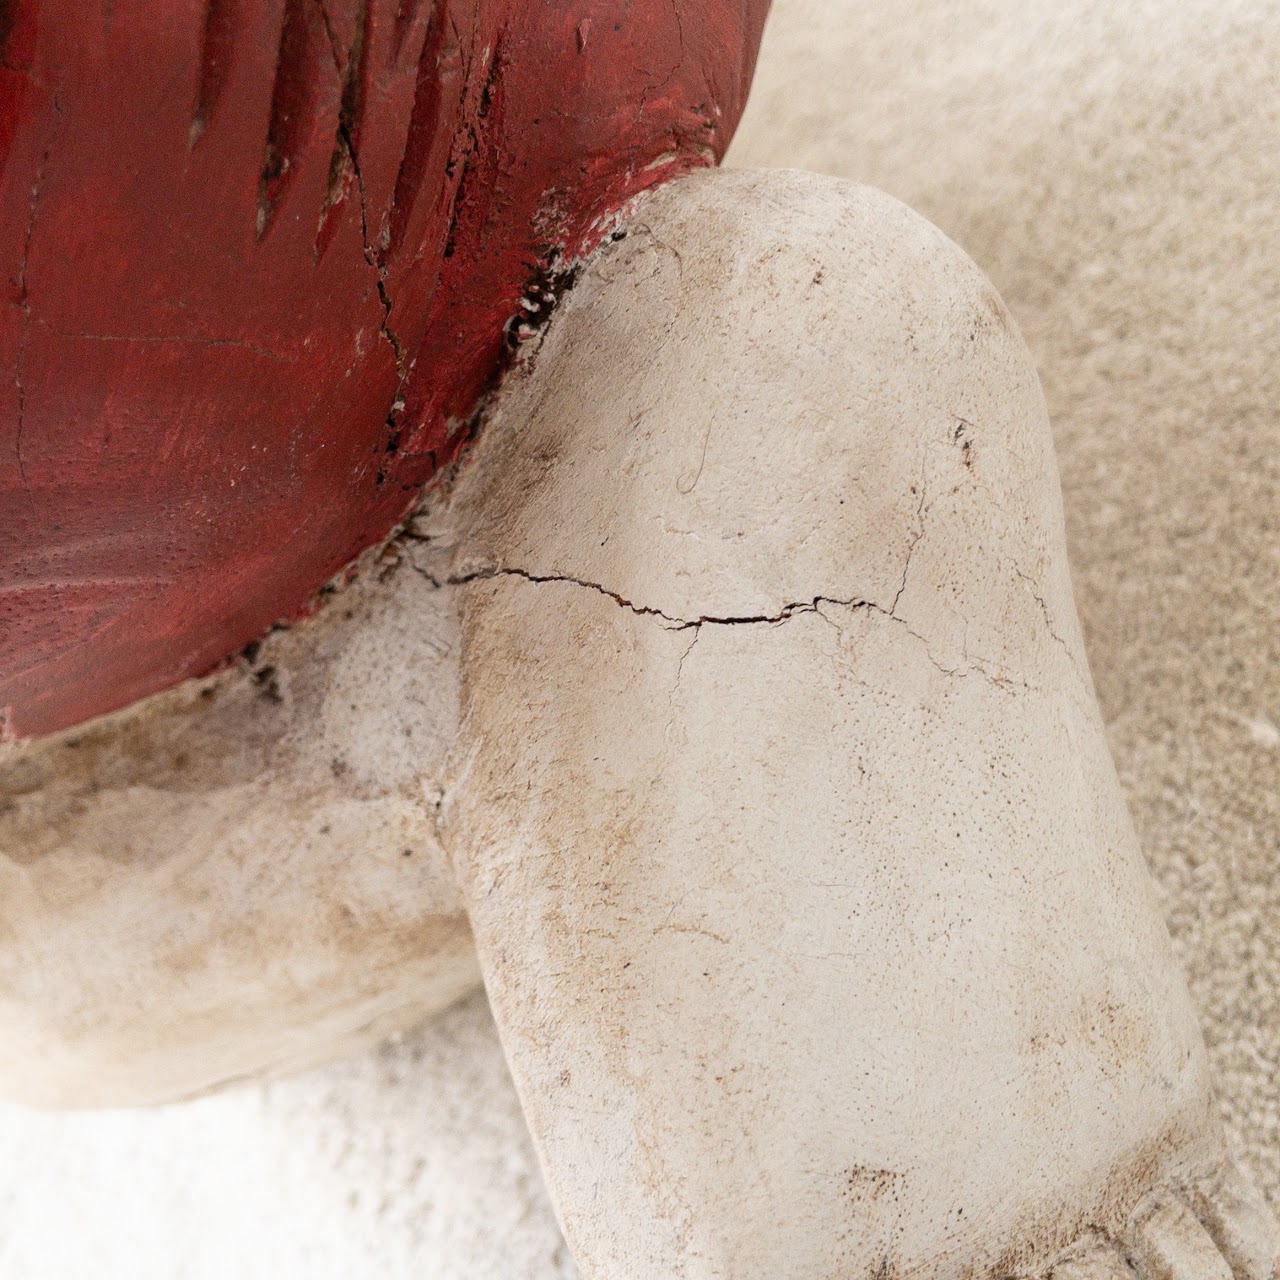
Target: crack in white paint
{"type": "Point", "coordinates": [673, 622]}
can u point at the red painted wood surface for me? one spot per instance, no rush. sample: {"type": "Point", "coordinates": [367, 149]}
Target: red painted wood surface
{"type": "Point", "coordinates": [259, 255]}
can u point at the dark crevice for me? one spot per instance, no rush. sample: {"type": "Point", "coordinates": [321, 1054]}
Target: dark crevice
{"type": "Point", "coordinates": [293, 101]}
{"type": "Point", "coordinates": [267, 680]}
{"type": "Point", "coordinates": [489, 89]}
{"type": "Point", "coordinates": [488, 92]}
{"type": "Point", "coordinates": [344, 173]}
{"type": "Point", "coordinates": [546, 285]}
{"type": "Point", "coordinates": [343, 164]}
{"type": "Point", "coordinates": [523, 334]}
{"type": "Point", "coordinates": [427, 96]}
{"type": "Point", "coordinates": [346, 153]}
{"type": "Point", "coordinates": [351, 109]}
{"type": "Point", "coordinates": [24, 301]}
{"type": "Point", "coordinates": [459, 199]}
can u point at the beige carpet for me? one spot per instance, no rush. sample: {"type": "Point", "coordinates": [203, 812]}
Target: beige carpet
{"type": "Point", "coordinates": [1114, 167]}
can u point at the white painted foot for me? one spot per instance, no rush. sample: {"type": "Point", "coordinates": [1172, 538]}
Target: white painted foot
{"type": "Point", "coordinates": [1237, 1218]}
{"type": "Point", "coordinates": [807, 901]}
{"type": "Point", "coordinates": [1217, 1230]}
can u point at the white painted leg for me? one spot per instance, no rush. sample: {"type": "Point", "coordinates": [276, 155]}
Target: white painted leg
{"type": "Point", "coordinates": [241, 876]}
{"type": "Point", "coordinates": [806, 898]}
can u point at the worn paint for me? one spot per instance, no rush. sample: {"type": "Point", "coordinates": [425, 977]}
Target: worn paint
{"type": "Point", "coordinates": [260, 256]}
{"type": "Point", "coordinates": [819, 938]}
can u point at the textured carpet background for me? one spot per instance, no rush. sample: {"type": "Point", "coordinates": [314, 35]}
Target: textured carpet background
{"type": "Point", "coordinates": [1115, 169]}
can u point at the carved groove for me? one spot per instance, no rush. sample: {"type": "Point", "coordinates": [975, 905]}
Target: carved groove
{"type": "Point", "coordinates": [293, 100]}
{"type": "Point", "coordinates": [406, 15]}
{"type": "Point", "coordinates": [351, 114]}
{"type": "Point", "coordinates": [10, 97]}
{"type": "Point", "coordinates": [344, 163]}
{"type": "Point", "coordinates": [462, 196]}
{"type": "Point", "coordinates": [215, 59]}
{"type": "Point", "coordinates": [422, 131]}
{"type": "Point", "coordinates": [7, 18]}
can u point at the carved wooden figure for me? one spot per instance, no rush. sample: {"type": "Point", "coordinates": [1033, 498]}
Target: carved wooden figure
{"type": "Point", "coordinates": [450, 531]}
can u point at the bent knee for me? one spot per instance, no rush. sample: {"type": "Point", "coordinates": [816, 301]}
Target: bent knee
{"type": "Point", "coordinates": [776, 387]}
